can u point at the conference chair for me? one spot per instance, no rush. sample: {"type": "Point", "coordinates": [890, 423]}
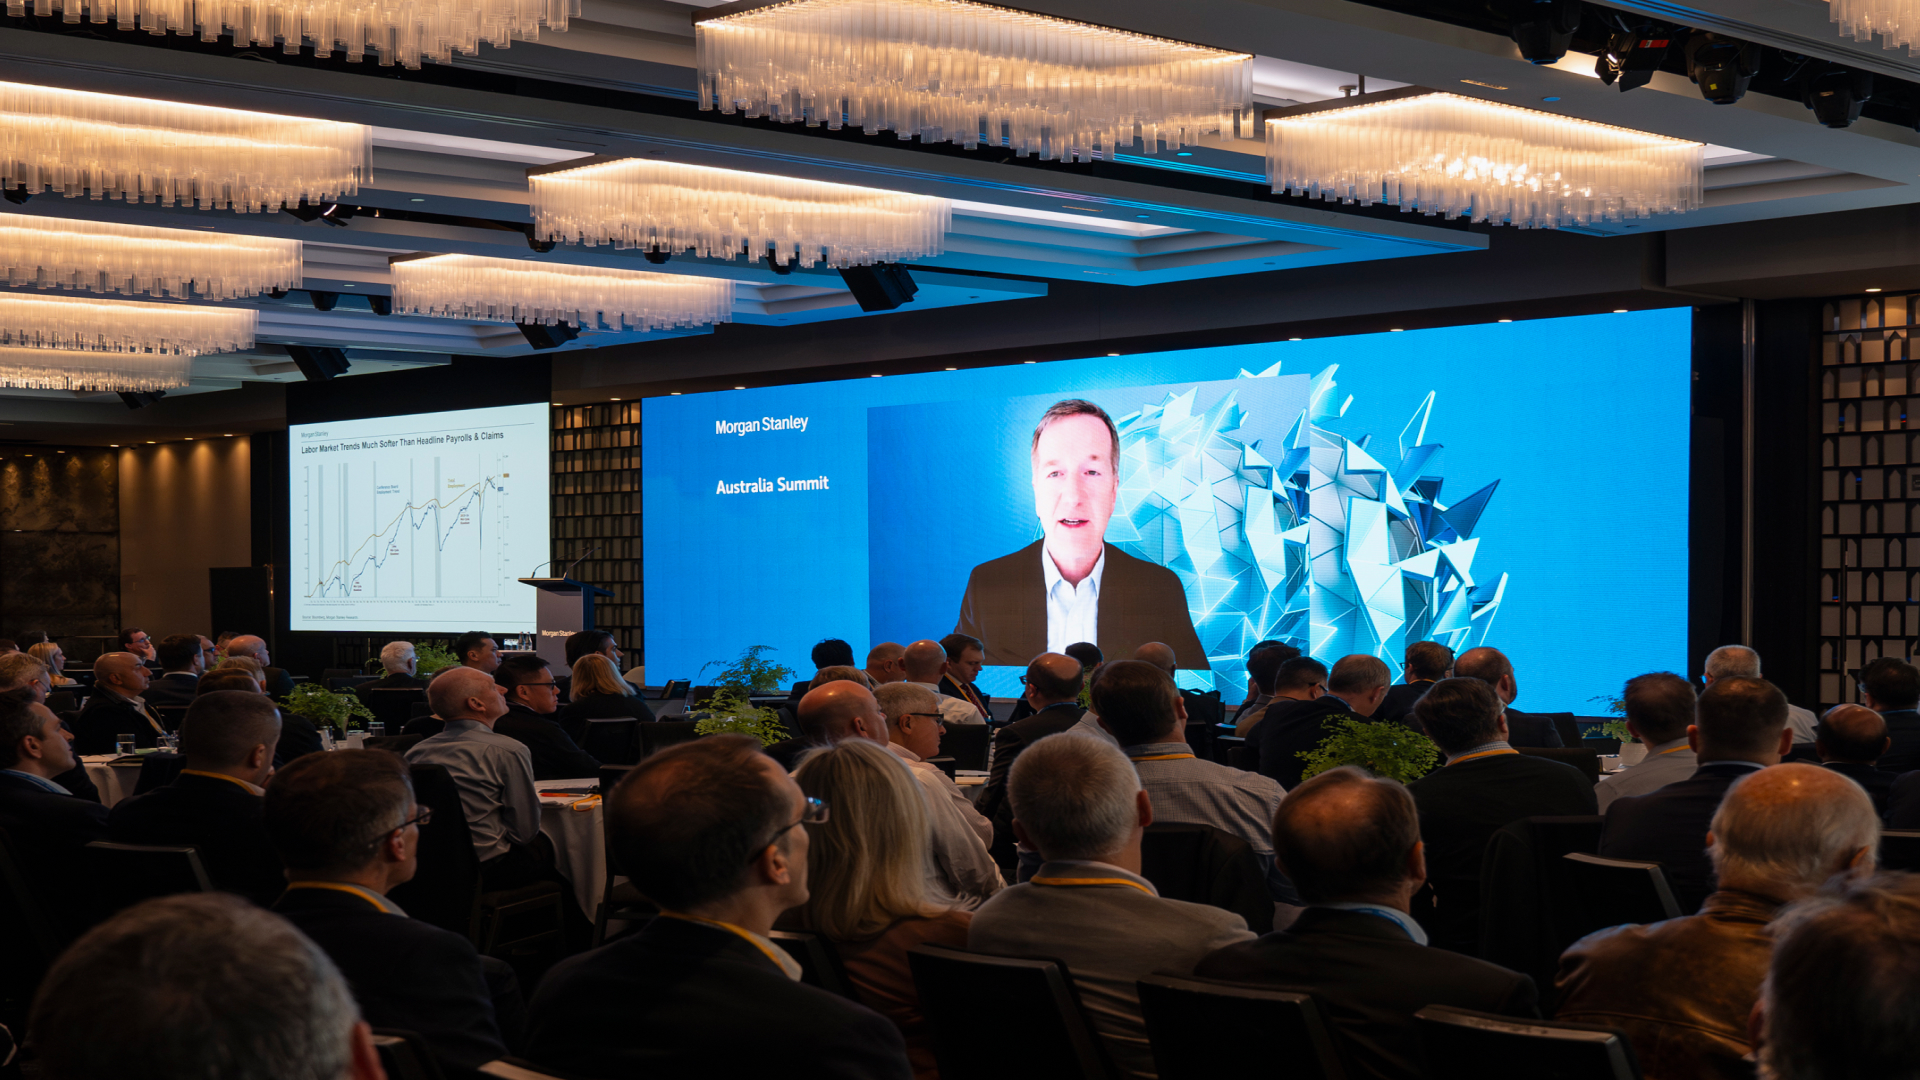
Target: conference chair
{"type": "Point", "coordinates": [1580, 757]}
{"type": "Point", "coordinates": [170, 715]}
{"type": "Point", "coordinates": [33, 944]}
{"type": "Point", "coordinates": [1202, 1029]}
{"type": "Point", "coordinates": [1900, 850]}
{"type": "Point", "coordinates": [1594, 893]}
{"type": "Point", "coordinates": [1460, 1044]}
{"type": "Point", "coordinates": [1037, 1027]}
{"type": "Point", "coordinates": [616, 740]}
{"type": "Point", "coordinates": [819, 961]}
{"type": "Point", "coordinates": [393, 744]}
{"type": "Point", "coordinates": [675, 688]}
{"type": "Point", "coordinates": [394, 707]}
{"type": "Point", "coordinates": [119, 876]}
{"type": "Point", "coordinates": [1566, 725]}
{"type": "Point", "coordinates": [157, 771]}
{"type": "Point", "coordinates": [347, 682]}
{"type": "Point", "coordinates": [1522, 922]}
{"type": "Point", "coordinates": [404, 1055]}
{"type": "Point", "coordinates": [1204, 865]}
{"type": "Point", "coordinates": [664, 733]}
{"type": "Point", "coordinates": [966, 744]}
{"type": "Point", "coordinates": [63, 701]}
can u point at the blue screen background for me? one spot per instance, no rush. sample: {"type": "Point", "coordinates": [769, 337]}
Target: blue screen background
{"type": "Point", "coordinates": [926, 476]}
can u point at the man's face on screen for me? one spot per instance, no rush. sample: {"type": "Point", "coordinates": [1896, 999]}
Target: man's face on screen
{"type": "Point", "coordinates": [1073, 488]}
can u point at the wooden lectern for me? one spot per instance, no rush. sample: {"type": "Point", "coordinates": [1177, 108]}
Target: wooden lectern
{"type": "Point", "coordinates": [565, 608]}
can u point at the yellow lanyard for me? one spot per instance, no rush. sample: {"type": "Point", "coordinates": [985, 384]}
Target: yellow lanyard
{"type": "Point", "coordinates": [747, 936]}
{"type": "Point", "coordinates": [338, 887]}
{"type": "Point", "coordinates": [242, 784]}
{"type": "Point", "coordinates": [1675, 750]}
{"type": "Point", "coordinates": [1481, 754]}
{"type": "Point", "coordinates": [1161, 757]}
{"type": "Point", "coordinates": [1130, 883]}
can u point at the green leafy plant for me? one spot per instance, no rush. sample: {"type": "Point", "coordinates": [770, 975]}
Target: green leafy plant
{"type": "Point", "coordinates": [1617, 729]}
{"type": "Point", "coordinates": [433, 656]}
{"type": "Point", "coordinates": [324, 706]}
{"type": "Point", "coordinates": [1616, 706]}
{"type": "Point", "coordinates": [750, 673]}
{"type": "Point", "coordinates": [1383, 748]}
{"type": "Point", "coordinates": [731, 708]}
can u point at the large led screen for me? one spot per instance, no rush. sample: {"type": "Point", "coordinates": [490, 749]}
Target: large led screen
{"type": "Point", "coordinates": [1491, 484]}
{"type": "Point", "coordinates": [418, 523]}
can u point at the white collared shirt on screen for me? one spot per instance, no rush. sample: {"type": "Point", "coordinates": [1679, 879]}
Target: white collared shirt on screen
{"type": "Point", "coordinates": [1073, 611]}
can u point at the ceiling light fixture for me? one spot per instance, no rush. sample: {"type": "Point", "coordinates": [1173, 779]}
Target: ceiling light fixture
{"type": "Point", "coordinates": [104, 257]}
{"type": "Point", "coordinates": [589, 297]}
{"type": "Point", "coordinates": [961, 72]}
{"type": "Point", "coordinates": [1897, 22]}
{"type": "Point", "coordinates": [664, 207]}
{"type": "Point", "coordinates": [1444, 154]}
{"type": "Point", "coordinates": [62, 343]}
{"type": "Point", "coordinates": [116, 147]}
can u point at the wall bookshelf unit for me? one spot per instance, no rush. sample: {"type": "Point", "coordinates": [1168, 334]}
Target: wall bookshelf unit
{"type": "Point", "coordinates": [596, 501]}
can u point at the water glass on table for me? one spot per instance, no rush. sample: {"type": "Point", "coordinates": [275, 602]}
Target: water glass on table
{"type": "Point", "coordinates": [123, 744]}
{"type": "Point", "coordinates": [375, 729]}
{"type": "Point", "coordinates": [170, 743]}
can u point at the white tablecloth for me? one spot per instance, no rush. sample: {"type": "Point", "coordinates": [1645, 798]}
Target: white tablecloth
{"type": "Point", "coordinates": [115, 782]}
{"type": "Point", "coordinates": [579, 839]}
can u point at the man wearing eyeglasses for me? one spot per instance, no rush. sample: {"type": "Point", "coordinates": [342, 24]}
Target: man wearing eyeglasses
{"type": "Point", "coordinates": [348, 829]}
{"type": "Point", "coordinates": [715, 833]}
{"type": "Point", "coordinates": [533, 700]}
{"type": "Point", "coordinates": [960, 835]}
{"type": "Point", "coordinates": [139, 643]}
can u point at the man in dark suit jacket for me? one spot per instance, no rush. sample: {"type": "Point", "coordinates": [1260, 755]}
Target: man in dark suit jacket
{"type": "Point", "coordinates": [1891, 687]}
{"type": "Point", "coordinates": [1492, 667]}
{"type": "Point", "coordinates": [1849, 741]}
{"type": "Point", "coordinates": [1351, 844]}
{"type": "Point", "coordinates": [326, 814]}
{"type": "Point", "coordinates": [965, 656]}
{"type": "Point", "coordinates": [715, 833]}
{"type": "Point", "coordinates": [1426, 663]}
{"type": "Point", "coordinates": [213, 806]}
{"type": "Point", "coordinates": [45, 825]}
{"type": "Point", "coordinates": [183, 664]}
{"type": "Point", "coordinates": [1485, 786]}
{"type": "Point", "coordinates": [1053, 690]}
{"type": "Point", "coordinates": [1355, 687]}
{"type": "Point", "coordinates": [1071, 585]}
{"type": "Point", "coordinates": [117, 707]}
{"type": "Point", "coordinates": [533, 699]}
{"type": "Point", "coordinates": [1739, 728]}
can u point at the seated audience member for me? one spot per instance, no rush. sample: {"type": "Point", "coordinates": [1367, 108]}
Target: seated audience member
{"type": "Point", "coordinates": [1841, 998]}
{"type": "Point", "coordinates": [1492, 667]}
{"type": "Point", "coordinates": [227, 678]}
{"type": "Point", "coordinates": [247, 664]}
{"type": "Point", "coordinates": [401, 664]}
{"type": "Point", "coordinates": [494, 774]}
{"type": "Point", "coordinates": [1659, 710]}
{"type": "Point", "coordinates": [960, 836]}
{"type": "Point", "coordinates": [348, 829]}
{"type": "Point", "coordinates": [477, 650]}
{"type": "Point", "coordinates": [222, 640]}
{"type": "Point", "coordinates": [275, 682]}
{"type": "Point", "coordinates": [533, 698]}
{"type": "Point", "coordinates": [1053, 691]}
{"type": "Point", "coordinates": [1682, 989]}
{"type": "Point", "coordinates": [965, 655]}
{"type": "Point", "coordinates": [1424, 663]}
{"type": "Point", "coordinates": [139, 643]}
{"type": "Point", "coordinates": [1078, 801]}
{"type": "Point", "coordinates": [1138, 704]}
{"type": "Point", "coordinates": [1848, 741]}
{"type": "Point", "coordinates": [298, 735]}
{"type": "Point", "coordinates": [1157, 654]}
{"type": "Point", "coordinates": [1258, 693]}
{"type": "Point", "coordinates": [867, 882]}
{"type": "Point", "coordinates": [1291, 683]}
{"type": "Point", "coordinates": [20, 671]}
{"type": "Point", "coordinates": [832, 652]}
{"type": "Point", "coordinates": [49, 654]}
{"type": "Point", "coordinates": [887, 663]}
{"type": "Point", "coordinates": [45, 824]}
{"type": "Point", "coordinates": [1088, 654]}
{"type": "Point", "coordinates": [839, 673]}
{"type": "Point", "coordinates": [1903, 802]}
{"type": "Point", "coordinates": [593, 643]}
{"type": "Point", "coordinates": [213, 806]}
{"type": "Point", "coordinates": [181, 664]}
{"type": "Point", "coordinates": [116, 707]}
{"type": "Point", "coordinates": [1738, 661]}
{"type": "Point", "coordinates": [1355, 688]}
{"type": "Point", "coordinates": [819, 726]}
{"type": "Point", "coordinates": [1351, 843]}
{"type": "Point", "coordinates": [716, 834]}
{"type": "Point", "coordinates": [1485, 786]}
{"type": "Point", "coordinates": [599, 693]}
{"type": "Point", "coordinates": [924, 663]}
{"type": "Point", "coordinates": [203, 985]}
{"type": "Point", "coordinates": [1739, 727]}
{"type": "Point", "coordinates": [1891, 687]}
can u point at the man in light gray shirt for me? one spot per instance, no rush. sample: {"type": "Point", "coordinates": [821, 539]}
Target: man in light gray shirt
{"type": "Point", "coordinates": [1659, 711]}
{"type": "Point", "coordinates": [1738, 661]}
{"type": "Point", "coordinates": [494, 774]}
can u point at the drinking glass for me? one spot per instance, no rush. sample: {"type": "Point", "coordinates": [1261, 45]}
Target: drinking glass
{"type": "Point", "coordinates": [123, 744]}
{"type": "Point", "coordinates": [375, 729]}
{"type": "Point", "coordinates": [326, 737]}
{"type": "Point", "coordinates": [170, 743]}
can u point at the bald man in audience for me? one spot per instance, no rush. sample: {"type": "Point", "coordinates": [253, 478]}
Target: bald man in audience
{"type": "Point", "coordinates": [117, 707]}
{"type": "Point", "coordinates": [926, 662]}
{"type": "Point", "coordinates": [1157, 654]}
{"type": "Point", "coordinates": [494, 774]}
{"type": "Point", "coordinates": [275, 681]}
{"type": "Point", "coordinates": [1682, 990]}
{"type": "Point", "coordinates": [1741, 662]}
{"type": "Point", "coordinates": [887, 663]}
{"type": "Point", "coordinates": [213, 806]}
{"type": "Point", "coordinates": [1849, 740]}
{"type": "Point", "coordinates": [1355, 689]}
{"type": "Point", "coordinates": [1053, 691]}
{"type": "Point", "coordinates": [965, 872]}
{"type": "Point", "coordinates": [1492, 667]}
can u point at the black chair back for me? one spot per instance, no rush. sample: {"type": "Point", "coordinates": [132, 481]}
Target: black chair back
{"type": "Point", "coordinates": [342, 673]}
{"type": "Point", "coordinates": [1203, 706]}
{"type": "Point", "coordinates": [35, 942]}
{"type": "Point", "coordinates": [1580, 757]}
{"type": "Point", "coordinates": [1596, 893]}
{"type": "Point", "coordinates": [61, 701]}
{"type": "Point", "coordinates": [1460, 1044]}
{"type": "Point", "coordinates": [1203, 865]}
{"type": "Point", "coordinates": [1037, 1029]}
{"type": "Point", "coordinates": [611, 775]}
{"type": "Point", "coordinates": [1204, 1030]}
{"type": "Point", "coordinates": [676, 688]}
{"type": "Point", "coordinates": [819, 961]}
{"type": "Point", "coordinates": [446, 888]}
{"type": "Point", "coordinates": [348, 682]}
{"type": "Point", "coordinates": [170, 715]}
{"type": "Point", "coordinates": [394, 707]}
{"type": "Point", "coordinates": [700, 695]}
{"type": "Point", "coordinates": [405, 1055]}
{"type": "Point", "coordinates": [615, 741]}
{"type": "Point", "coordinates": [398, 744]}
{"type": "Point", "coordinates": [122, 875]}
{"type": "Point", "coordinates": [1200, 739]}
{"type": "Point", "coordinates": [1523, 892]}
{"type": "Point", "coordinates": [1564, 725]}
{"type": "Point", "coordinates": [664, 733]}
{"type": "Point", "coordinates": [1900, 850]}
{"type": "Point", "coordinates": [966, 744]}
{"type": "Point", "coordinates": [157, 771]}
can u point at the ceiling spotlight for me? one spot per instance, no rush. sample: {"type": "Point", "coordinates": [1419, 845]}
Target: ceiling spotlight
{"type": "Point", "coordinates": [332, 213]}
{"type": "Point", "coordinates": [322, 299]}
{"type": "Point", "coordinates": [656, 255]}
{"type": "Point", "coordinates": [1836, 95]}
{"type": "Point", "coordinates": [1873, 290]}
{"type": "Point", "coordinates": [1630, 59]}
{"type": "Point", "coordinates": [1721, 66]}
{"type": "Point", "coordinates": [1506, 320]}
{"type": "Point", "coordinates": [1543, 29]}
{"type": "Point", "coordinates": [1619, 311]}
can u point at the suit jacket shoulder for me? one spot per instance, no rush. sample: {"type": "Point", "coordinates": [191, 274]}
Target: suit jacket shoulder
{"type": "Point", "coordinates": [555, 755]}
{"type": "Point", "coordinates": [1005, 607]}
{"type": "Point", "coordinates": [298, 736]}
{"type": "Point", "coordinates": [1142, 601]}
{"type": "Point", "coordinates": [223, 821]}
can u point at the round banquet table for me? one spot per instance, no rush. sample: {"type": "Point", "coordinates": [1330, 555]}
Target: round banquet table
{"type": "Point", "coordinates": [577, 827]}
{"type": "Point", "coordinates": [114, 781]}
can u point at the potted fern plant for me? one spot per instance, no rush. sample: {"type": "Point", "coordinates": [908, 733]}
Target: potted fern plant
{"type": "Point", "coordinates": [731, 708]}
{"type": "Point", "coordinates": [326, 708]}
{"type": "Point", "coordinates": [1381, 747]}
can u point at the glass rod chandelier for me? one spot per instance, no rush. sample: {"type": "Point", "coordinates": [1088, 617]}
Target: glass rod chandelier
{"type": "Point", "coordinates": [166, 152]}
{"type": "Point", "coordinates": [1896, 21]}
{"type": "Point", "coordinates": [409, 32]}
{"type": "Point", "coordinates": [589, 297]}
{"type": "Point", "coordinates": [1438, 153]}
{"type": "Point", "coordinates": [720, 213]}
{"type": "Point", "coordinates": [70, 343]}
{"type": "Point", "coordinates": [957, 71]}
{"type": "Point", "coordinates": [104, 257]}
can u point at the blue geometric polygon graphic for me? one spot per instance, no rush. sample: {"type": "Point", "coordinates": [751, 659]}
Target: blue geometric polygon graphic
{"type": "Point", "coordinates": [1317, 542]}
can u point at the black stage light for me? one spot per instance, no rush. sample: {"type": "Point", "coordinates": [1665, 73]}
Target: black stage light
{"type": "Point", "coordinates": [1836, 95]}
{"type": "Point", "coordinates": [1645, 53]}
{"type": "Point", "coordinates": [781, 268]}
{"type": "Point", "coordinates": [880, 287]}
{"type": "Point", "coordinates": [17, 195]}
{"type": "Point", "coordinates": [142, 399]}
{"type": "Point", "coordinates": [541, 246]}
{"type": "Point", "coordinates": [323, 300]}
{"type": "Point", "coordinates": [1613, 57]}
{"type": "Point", "coordinates": [1543, 29]}
{"type": "Point", "coordinates": [541, 336]}
{"type": "Point", "coordinates": [379, 305]}
{"type": "Point", "coordinates": [1722, 67]}
{"type": "Point", "coordinates": [656, 255]}
{"type": "Point", "coordinates": [332, 213]}
{"type": "Point", "coordinates": [318, 363]}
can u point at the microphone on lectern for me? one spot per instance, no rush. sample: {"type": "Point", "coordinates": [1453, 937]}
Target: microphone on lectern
{"type": "Point", "coordinates": [569, 570]}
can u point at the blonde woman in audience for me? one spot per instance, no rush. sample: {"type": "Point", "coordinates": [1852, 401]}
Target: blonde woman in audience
{"type": "Point", "coordinates": [867, 882]}
{"type": "Point", "coordinates": [599, 693]}
{"type": "Point", "coordinates": [49, 654]}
